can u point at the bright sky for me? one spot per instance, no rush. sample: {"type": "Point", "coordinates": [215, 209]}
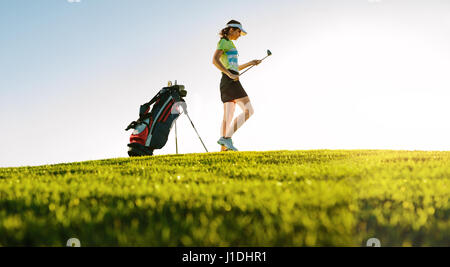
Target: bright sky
{"type": "Point", "coordinates": [345, 74]}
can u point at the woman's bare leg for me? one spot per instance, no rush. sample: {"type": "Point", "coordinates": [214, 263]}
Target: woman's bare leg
{"type": "Point", "coordinates": [228, 113]}
{"type": "Point", "coordinates": [247, 111]}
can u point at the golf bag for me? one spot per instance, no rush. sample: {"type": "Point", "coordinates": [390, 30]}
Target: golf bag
{"type": "Point", "coordinates": [152, 128]}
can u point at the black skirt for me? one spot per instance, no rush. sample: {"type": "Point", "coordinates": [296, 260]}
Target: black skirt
{"type": "Point", "coordinates": [229, 89]}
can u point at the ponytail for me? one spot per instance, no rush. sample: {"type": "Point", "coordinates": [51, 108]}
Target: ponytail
{"type": "Point", "coordinates": [224, 32]}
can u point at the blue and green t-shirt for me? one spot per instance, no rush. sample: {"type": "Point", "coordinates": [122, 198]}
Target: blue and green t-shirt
{"type": "Point", "coordinates": [230, 54]}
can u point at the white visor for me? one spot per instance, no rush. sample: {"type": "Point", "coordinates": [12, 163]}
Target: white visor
{"type": "Point", "coordinates": [239, 26]}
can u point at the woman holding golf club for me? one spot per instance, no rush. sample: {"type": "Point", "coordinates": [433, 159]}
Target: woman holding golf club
{"type": "Point", "coordinates": [231, 91]}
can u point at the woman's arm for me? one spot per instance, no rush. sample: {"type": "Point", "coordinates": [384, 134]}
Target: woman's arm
{"type": "Point", "coordinates": [251, 63]}
{"type": "Point", "coordinates": [244, 66]}
{"type": "Point", "coordinates": [218, 64]}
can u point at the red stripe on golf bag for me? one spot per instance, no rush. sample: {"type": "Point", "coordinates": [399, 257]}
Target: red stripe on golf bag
{"type": "Point", "coordinates": [167, 109]}
{"type": "Point", "coordinates": [167, 116]}
{"type": "Point", "coordinates": [168, 113]}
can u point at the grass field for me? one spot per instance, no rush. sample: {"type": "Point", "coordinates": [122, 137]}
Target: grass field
{"type": "Point", "coordinates": [276, 198]}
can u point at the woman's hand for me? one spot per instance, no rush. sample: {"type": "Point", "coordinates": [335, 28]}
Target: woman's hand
{"type": "Point", "coordinates": [232, 76]}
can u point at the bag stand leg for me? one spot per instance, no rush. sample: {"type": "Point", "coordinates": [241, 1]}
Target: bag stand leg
{"type": "Point", "coordinates": [176, 140]}
{"type": "Point", "coordinates": [196, 132]}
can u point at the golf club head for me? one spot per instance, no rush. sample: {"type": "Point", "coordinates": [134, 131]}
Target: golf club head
{"type": "Point", "coordinates": [269, 53]}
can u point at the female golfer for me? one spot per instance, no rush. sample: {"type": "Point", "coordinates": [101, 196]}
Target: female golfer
{"type": "Point", "coordinates": [231, 90]}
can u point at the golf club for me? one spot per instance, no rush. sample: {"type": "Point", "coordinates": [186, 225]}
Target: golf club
{"type": "Point", "coordinates": [268, 54]}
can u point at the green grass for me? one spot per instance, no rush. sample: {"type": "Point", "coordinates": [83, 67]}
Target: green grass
{"type": "Point", "coordinates": [277, 198]}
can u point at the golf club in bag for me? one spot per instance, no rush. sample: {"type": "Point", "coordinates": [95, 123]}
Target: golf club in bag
{"type": "Point", "coordinates": [152, 128]}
